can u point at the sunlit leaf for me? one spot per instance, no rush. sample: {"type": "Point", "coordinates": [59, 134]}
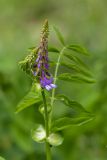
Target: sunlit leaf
{"type": "Point", "coordinates": [55, 139]}
{"type": "Point", "coordinates": [34, 96]}
{"type": "Point", "coordinates": [78, 49]}
{"type": "Point", "coordinates": [59, 35]}
{"type": "Point", "coordinates": [75, 78]}
{"type": "Point", "coordinates": [38, 133]}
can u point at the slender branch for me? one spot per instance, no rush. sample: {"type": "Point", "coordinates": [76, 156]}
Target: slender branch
{"type": "Point", "coordinates": [48, 150]}
{"type": "Point", "coordinates": [55, 79]}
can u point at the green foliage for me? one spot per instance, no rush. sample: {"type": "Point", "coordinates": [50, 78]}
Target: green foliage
{"type": "Point", "coordinates": [33, 97]}
{"type": "Point", "coordinates": [59, 35]}
{"type": "Point", "coordinates": [82, 71]}
{"type": "Point", "coordinates": [89, 28]}
{"type": "Point", "coordinates": [75, 78]}
{"type": "Point", "coordinates": [65, 122]}
{"type": "Point", "coordinates": [53, 49]}
{"type": "Point", "coordinates": [78, 115]}
{"type": "Point", "coordinates": [1, 158]}
{"type": "Point", "coordinates": [77, 71]}
{"type": "Point", "coordinates": [77, 107]}
{"type": "Point", "coordinates": [75, 59]}
{"type": "Point", "coordinates": [78, 49]}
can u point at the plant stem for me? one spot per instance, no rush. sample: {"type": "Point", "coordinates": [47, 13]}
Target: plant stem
{"type": "Point", "coordinates": [48, 150]}
{"type": "Point", "coordinates": [55, 78]}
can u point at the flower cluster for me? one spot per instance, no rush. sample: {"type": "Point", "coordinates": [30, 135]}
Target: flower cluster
{"type": "Point", "coordinates": [41, 64]}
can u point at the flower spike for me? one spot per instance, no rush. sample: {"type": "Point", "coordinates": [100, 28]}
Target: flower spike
{"type": "Point", "coordinates": [41, 65]}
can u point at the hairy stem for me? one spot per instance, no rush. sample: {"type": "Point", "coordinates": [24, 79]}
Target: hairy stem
{"type": "Point", "coordinates": [55, 78]}
{"type": "Point", "coordinates": [48, 150]}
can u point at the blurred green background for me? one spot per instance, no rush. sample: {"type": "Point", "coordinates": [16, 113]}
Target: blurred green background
{"type": "Point", "coordinates": [81, 21]}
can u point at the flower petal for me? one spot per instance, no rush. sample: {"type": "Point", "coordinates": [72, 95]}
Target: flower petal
{"type": "Point", "coordinates": [53, 85]}
{"type": "Point", "coordinates": [48, 87]}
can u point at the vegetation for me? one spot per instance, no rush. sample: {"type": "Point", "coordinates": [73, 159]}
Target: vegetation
{"type": "Point", "coordinates": [82, 23]}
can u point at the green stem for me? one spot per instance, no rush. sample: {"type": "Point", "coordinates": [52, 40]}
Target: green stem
{"type": "Point", "coordinates": [48, 150]}
{"type": "Point", "coordinates": [55, 78]}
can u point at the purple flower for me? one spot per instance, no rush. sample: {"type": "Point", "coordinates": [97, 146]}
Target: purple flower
{"type": "Point", "coordinates": [41, 65]}
{"type": "Point", "coordinates": [47, 82]}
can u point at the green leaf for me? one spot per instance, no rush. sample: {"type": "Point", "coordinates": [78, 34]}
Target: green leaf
{"type": "Point", "coordinates": [76, 69]}
{"type": "Point", "coordinates": [79, 116]}
{"type": "Point", "coordinates": [59, 35]}
{"type": "Point", "coordinates": [53, 49]}
{"type": "Point", "coordinates": [75, 78]}
{"type": "Point", "coordinates": [75, 59]}
{"type": "Point", "coordinates": [78, 49]}
{"type": "Point", "coordinates": [1, 158]}
{"type": "Point", "coordinates": [52, 63]}
{"type": "Point", "coordinates": [81, 68]}
{"type": "Point", "coordinates": [34, 96]}
{"type": "Point", "coordinates": [38, 133]}
{"type": "Point", "coordinates": [55, 139]}
{"type": "Point", "coordinates": [70, 66]}
{"type": "Point", "coordinates": [65, 122]}
{"type": "Point", "coordinates": [77, 107]}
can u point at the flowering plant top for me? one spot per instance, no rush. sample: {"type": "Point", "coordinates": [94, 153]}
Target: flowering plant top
{"type": "Point", "coordinates": [37, 63]}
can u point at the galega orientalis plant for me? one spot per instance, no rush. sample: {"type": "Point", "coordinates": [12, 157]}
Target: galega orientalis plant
{"type": "Point", "coordinates": [44, 84]}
